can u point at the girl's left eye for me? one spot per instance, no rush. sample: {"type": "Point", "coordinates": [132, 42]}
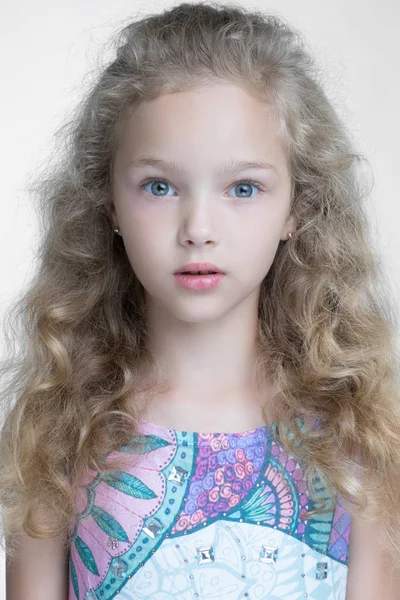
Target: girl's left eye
{"type": "Point", "coordinates": [246, 182]}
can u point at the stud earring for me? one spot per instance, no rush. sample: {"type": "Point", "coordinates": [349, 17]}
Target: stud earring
{"type": "Point", "coordinates": [290, 234]}
{"type": "Point", "coordinates": [116, 230]}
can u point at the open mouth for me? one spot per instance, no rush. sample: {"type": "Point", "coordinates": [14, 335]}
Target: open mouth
{"type": "Point", "coordinates": [199, 272]}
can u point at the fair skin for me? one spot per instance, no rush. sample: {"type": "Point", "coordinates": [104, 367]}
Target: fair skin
{"type": "Point", "coordinates": [205, 341]}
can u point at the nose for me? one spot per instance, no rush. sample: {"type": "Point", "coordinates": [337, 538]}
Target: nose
{"type": "Point", "coordinates": [198, 222]}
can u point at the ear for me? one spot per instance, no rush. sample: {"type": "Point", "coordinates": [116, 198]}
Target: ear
{"type": "Point", "coordinates": [290, 225]}
{"type": "Point", "coordinates": [109, 204]}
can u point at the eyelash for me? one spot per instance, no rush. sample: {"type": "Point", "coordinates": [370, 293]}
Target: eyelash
{"type": "Point", "coordinates": [245, 180]}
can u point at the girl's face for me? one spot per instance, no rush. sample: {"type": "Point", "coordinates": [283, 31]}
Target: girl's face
{"type": "Point", "coordinates": [201, 210]}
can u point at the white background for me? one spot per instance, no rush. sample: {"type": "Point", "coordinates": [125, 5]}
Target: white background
{"type": "Point", "coordinates": [47, 48]}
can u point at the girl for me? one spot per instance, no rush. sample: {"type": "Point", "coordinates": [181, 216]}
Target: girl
{"type": "Point", "coordinates": [206, 146]}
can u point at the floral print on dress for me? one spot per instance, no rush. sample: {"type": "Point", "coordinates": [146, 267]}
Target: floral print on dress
{"type": "Point", "coordinates": [113, 508]}
{"type": "Point", "coordinates": [226, 469]}
{"type": "Point", "coordinates": [183, 484]}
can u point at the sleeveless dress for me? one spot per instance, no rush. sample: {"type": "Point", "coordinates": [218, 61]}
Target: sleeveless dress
{"type": "Point", "coordinates": [207, 516]}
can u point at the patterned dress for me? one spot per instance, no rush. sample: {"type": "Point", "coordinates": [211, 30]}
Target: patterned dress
{"type": "Point", "coordinates": [206, 516]}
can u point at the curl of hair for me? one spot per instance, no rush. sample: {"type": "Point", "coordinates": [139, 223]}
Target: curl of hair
{"type": "Point", "coordinates": [72, 392]}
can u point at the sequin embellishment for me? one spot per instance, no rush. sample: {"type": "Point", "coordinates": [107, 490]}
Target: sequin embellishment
{"type": "Point", "coordinates": [119, 567]}
{"type": "Point", "coordinates": [321, 572]}
{"type": "Point", "coordinates": [178, 475]}
{"type": "Point", "coordinates": [153, 528]}
{"type": "Point", "coordinates": [268, 554]}
{"type": "Point", "coordinates": [205, 555]}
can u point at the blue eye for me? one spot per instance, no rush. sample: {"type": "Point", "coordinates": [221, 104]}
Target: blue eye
{"type": "Point", "coordinates": [161, 183]}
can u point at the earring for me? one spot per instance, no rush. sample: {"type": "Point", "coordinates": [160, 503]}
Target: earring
{"type": "Point", "coordinates": [116, 230]}
{"type": "Point", "coordinates": [289, 234]}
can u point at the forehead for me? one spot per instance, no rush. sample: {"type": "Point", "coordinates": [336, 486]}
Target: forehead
{"type": "Point", "coordinates": [212, 125]}
{"type": "Point", "coordinates": [220, 117]}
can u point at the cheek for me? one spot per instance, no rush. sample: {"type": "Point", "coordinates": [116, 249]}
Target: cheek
{"type": "Point", "coordinates": [258, 238]}
{"type": "Point", "coordinates": [146, 248]}
{"type": "Point", "coordinates": [139, 251]}
{"type": "Point", "coordinates": [142, 227]}
{"type": "Point", "coordinates": [256, 252]}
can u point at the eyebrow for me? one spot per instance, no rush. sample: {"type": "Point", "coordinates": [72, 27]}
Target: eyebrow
{"type": "Point", "coordinates": [229, 167]}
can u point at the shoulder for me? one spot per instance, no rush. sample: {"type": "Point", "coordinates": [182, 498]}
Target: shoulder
{"type": "Point", "coordinates": [370, 571]}
{"type": "Point", "coordinates": [38, 560]}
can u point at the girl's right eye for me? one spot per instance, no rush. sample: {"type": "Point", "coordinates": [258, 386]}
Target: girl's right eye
{"type": "Point", "coordinates": [159, 181]}
{"type": "Point", "coordinates": [247, 182]}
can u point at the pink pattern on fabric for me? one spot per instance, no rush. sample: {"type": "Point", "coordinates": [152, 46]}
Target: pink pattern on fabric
{"type": "Point", "coordinates": [293, 468]}
{"type": "Point", "coordinates": [340, 533]}
{"type": "Point", "coordinates": [226, 468]}
{"type": "Point", "coordinates": [128, 511]}
{"type": "Point", "coordinates": [284, 494]}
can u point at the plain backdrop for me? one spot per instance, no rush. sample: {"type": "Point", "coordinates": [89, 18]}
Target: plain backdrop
{"type": "Point", "coordinates": [47, 49]}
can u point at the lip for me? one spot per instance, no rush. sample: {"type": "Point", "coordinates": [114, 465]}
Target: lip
{"type": "Point", "coordinates": [199, 267]}
{"type": "Point", "coordinates": [198, 282]}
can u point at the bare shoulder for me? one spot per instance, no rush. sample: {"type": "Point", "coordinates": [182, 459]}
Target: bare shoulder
{"type": "Point", "coordinates": [370, 574]}
{"type": "Point", "coordinates": [39, 571]}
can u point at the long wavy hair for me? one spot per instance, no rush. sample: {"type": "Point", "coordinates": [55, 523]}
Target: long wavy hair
{"type": "Point", "coordinates": [71, 391]}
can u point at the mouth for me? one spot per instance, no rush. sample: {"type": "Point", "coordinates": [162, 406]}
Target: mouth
{"type": "Point", "coordinates": [198, 272]}
{"type": "Point", "coordinates": [198, 268]}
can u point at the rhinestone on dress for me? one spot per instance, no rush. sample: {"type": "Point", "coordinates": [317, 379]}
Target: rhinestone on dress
{"type": "Point", "coordinates": [119, 567]}
{"type": "Point", "coordinates": [268, 554]}
{"type": "Point", "coordinates": [205, 555]}
{"type": "Point", "coordinates": [177, 475]}
{"type": "Point", "coordinates": [112, 542]}
{"type": "Point", "coordinates": [153, 528]}
{"type": "Point", "coordinates": [321, 572]}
